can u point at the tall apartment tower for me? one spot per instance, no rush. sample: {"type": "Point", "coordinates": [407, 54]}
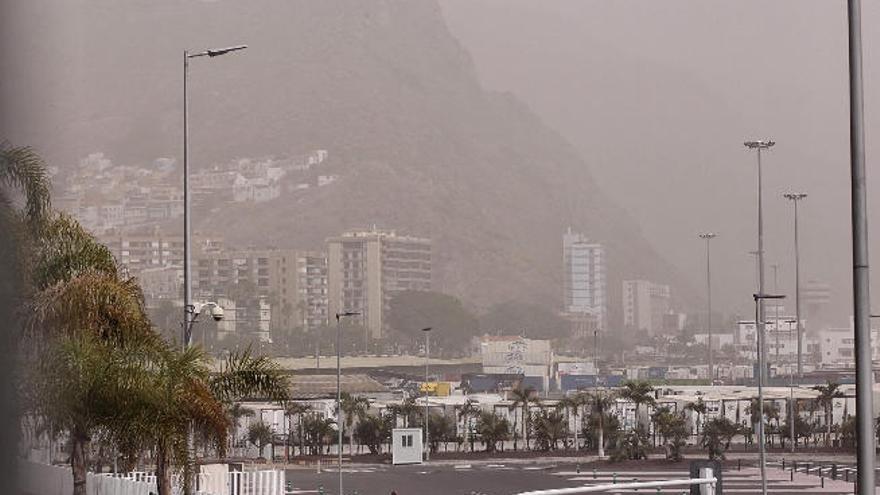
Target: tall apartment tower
{"type": "Point", "coordinates": [645, 305]}
{"type": "Point", "coordinates": [585, 285]}
{"type": "Point", "coordinates": [366, 268]}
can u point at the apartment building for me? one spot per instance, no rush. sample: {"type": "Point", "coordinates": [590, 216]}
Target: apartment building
{"type": "Point", "coordinates": [366, 269]}
{"type": "Point", "coordinates": [295, 281]}
{"type": "Point", "coordinates": [645, 305]}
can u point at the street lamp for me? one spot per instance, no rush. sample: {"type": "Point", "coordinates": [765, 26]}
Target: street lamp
{"type": "Point", "coordinates": [189, 309]}
{"type": "Point", "coordinates": [796, 198]}
{"type": "Point", "coordinates": [427, 331]}
{"type": "Point", "coordinates": [759, 298]}
{"type": "Point", "coordinates": [708, 236]}
{"type": "Point", "coordinates": [760, 145]}
{"type": "Point", "coordinates": [189, 314]}
{"type": "Point", "coordinates": [339, 425]}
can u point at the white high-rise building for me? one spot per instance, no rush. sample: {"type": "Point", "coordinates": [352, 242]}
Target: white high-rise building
{"type": "Point", "coordinates": [585, 286]}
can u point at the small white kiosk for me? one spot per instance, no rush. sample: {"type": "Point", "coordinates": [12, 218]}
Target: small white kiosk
{"type": "Point", "coordinates": [406, 446]}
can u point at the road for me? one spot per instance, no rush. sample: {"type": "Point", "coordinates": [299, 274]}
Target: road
{"type": "Point", "coordinates": [504, 479]}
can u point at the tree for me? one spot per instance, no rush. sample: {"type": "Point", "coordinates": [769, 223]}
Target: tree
{"type": "Point", "coordinates": [550, 428]}
{"type": "Point", "coordinates": [469, 410]}
{"type": "Point", "coordinates": [717, 435]}
{"type": "Point", "coordinates": [259, 435]}
{"type": "Point", "coordinates": [827, 394]}
{"type": "Point", "coordinates": [529, 320]}
{"type": "Point", "coordinates": [318, 431]}
{"type": "Point", "coordinates": [571, 404]}
{"type": "Point", "coordinates": [84, 385]}
{"type": "Point", "coordinates": [353, 408]}
{"type": "Point", "coordinates": [672, 428]}
{"type": "Point", "coordinates": [184, 391]}
{"type": "Point", "coordinates": [22, 171]}
{"type": "Point", "coordinates": [372, 431]}
{"type": "Point", "coordinates": [638, 392]}
{"type": "Point", "coordinates": [698, 408]}
{"type": "Point", "coordinates": [492, 430]}
{"type": "Point", "coordinates": [442, 429]}
{"type": "Point", "coordinates": [407, 409]}
{"type": "Point", "coordinates": [600, 403]}
{"type": "Point", "coordinates": [453, 325]}
{"type": "Point", "coordinates": [299, 410]}
{"type": "Point", "coordinates": [521, 398]}
{"type": "Point", "coordinates": [631, 445]}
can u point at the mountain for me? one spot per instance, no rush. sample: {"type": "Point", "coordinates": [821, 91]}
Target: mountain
{"type": "Point", "coordinates": [418, 145]}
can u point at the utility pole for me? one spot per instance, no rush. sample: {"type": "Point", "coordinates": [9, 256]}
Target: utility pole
{"type": "Point", "coordinates": [796, 198]}
{"type": "Point", "coordinates": [861, 283]}
{"type": "Point", "coordinates": [708, 236]}
{"type": "Point", "coordinates": [759, 146]}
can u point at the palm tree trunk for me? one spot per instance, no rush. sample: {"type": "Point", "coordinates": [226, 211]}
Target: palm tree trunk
{"type": "Point", "coordinates": [163, 472]}
{"type": "Point", "coordinates": [515, 430]}
{"type": "Point", "coordinates": [601, 439]}
{"type": "Point", "coordinates": [351, 439]}
{"type": "Point", "coordinates": [827, 425]}
{"type": "Point", "coordinates": [79, 461]}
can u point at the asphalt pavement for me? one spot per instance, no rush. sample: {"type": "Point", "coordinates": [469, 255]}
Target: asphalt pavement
{"type": "Point", "coordinates": [509, 479]}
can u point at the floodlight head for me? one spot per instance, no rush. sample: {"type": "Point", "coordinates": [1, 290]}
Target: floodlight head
{"type": "Point", "coordinates": [347, 313]}
{"type": "Point", "coordinates": [759, 144]}
{"type": "Point", "coordinates": [426, 329]}
{"type": "Point", "coordinates": [768, 296]}
{"type": "Point", "coordinates": [216, 52]}
{"type": "Point", "coordinates": [794, 196]}
{"type": "Point", "coordinates": [708, 235]}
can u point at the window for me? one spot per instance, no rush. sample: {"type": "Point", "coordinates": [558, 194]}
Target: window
{"type": "Point", "coordinates": [407, 440]}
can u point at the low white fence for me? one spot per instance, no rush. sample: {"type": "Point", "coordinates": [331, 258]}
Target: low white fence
{"type": "Point", "coordinates": [42, 479]}
{"type": "Point", "coordinates": [706, 482]}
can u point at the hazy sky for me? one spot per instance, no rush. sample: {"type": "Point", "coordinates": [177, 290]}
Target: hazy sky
{"type": "Point", "coordinates": [659, 97]}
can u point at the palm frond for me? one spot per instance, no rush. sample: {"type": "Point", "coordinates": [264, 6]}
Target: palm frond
{"type": "Point", "coordinates": [22, 168]}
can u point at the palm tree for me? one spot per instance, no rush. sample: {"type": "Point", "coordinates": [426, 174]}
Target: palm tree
{"type": "Point", "coordinates": [492, 430]}
{"type": "Point", "coordinates": [827, 394]}
{"type": "Point", "coordinates": [699, 408]}
{"type": "Point", "coordinates": [22, 170]}
{"type": "Point", "coordinates": [353, 407]}
{"type": "Point", "coordinates": [717, 435]}
{"type": "Point", "coordinates": [469, 410]}
{"type": "Point", "coordinates": [185, 392]}
{"type": "Point", "coordinates": [259, 434]}
{"type": "Point", "coordinates": [571, 404]}
{"type": "Point", "coordinates": [550, 427]}
{"type": "Point", "coordinates": [235, 412]}
{"type": "Point", "coordinates": [600, 403]}
{"type": "Point", "coordinates": [638, 392]}
{"type": "Point", "coordinates": [520, 397]}
{"type": "Point", "coordinates": [299, 410]}
{"type": "Point", "coordinates": [84, 385]}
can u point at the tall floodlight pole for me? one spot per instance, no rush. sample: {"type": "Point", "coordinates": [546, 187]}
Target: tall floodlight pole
{"type": "Point", "coordinates": [761, 364]}
{"type": "Point", "coordinates": [188, 307]}
{"type": "Point", "coordinates": [427, 331]}
{"type": "Point", "coordinates": [791, 405]}
{"type": "Point", "coordinates": [189, 312]}
{"type": "Point", "coordinates": [708, 236]}
{"type": "Point", "coordinates": [775, 267]}
{"type": "Point", "coordinates": [759, 146]}
{"type": "Point", "coordinates": [339, 424]}
{"type": "Point", "coordinates": [861, 287]}
{"type": "Point", "coordinates": [795, 198]}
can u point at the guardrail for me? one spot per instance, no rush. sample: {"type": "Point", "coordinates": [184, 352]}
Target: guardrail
{"type": "Point", "coordinates": [708, 481]}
